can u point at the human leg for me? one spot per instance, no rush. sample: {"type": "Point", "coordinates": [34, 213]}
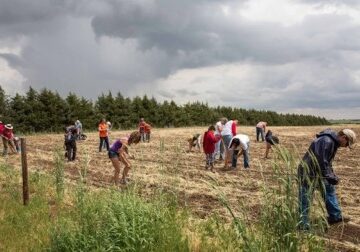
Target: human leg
{"type": "Point", "coordinates": [107, 143]}
{"type": "Point", "coordinates": [74, 149]}
{"type": "Point", "coordinates": [304, 206]}
{"type": "Point", "coordinates": [268, 147]}
{"type": "Point", "coordinates": [234, 159]}
{"type": "Point", "coordinates": [257, 134]}
{"type": "Point", "coordinates": [262, 134]}
{"type": "Point", "coordinates": [246, 154]}
{"type": "Point", "coordinates": [116, 163]}
{"type": "Point", "coordinates": [331, 202]}
{"type": "Point", "coordinates": [101, 143]}
{"type": "Point", "coordinates": [5, 145]}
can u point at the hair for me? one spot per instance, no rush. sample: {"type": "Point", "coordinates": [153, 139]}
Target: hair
{"type": "Point", "coordinates": [212, 127]}
{"type": "Point", "coordinates": [235, 142]}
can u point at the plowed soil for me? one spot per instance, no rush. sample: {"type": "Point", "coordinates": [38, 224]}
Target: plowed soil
{"type": "Point", "coordinates": [165, 164]}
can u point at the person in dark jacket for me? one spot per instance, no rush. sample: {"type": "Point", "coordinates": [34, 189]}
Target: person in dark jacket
{"type": "Point", "coordinates": [270, 141]}
{"type": "Point", "coordinates": [70, 142]}
{"type": "Point", "coordinates": [315, 171]}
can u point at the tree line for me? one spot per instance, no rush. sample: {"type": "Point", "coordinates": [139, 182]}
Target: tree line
{"type": "Point", "coordinates": [47, 111]}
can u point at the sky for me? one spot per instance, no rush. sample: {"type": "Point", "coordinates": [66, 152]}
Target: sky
{"type": "Point", "coordinates": [288, 56]}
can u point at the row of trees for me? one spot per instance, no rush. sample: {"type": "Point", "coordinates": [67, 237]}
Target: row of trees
{"type": "Point", "coordinates": [48, 111]}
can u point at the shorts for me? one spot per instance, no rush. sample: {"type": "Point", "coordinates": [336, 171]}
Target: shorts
{"type": "Point", "coordinates": [113, 154]}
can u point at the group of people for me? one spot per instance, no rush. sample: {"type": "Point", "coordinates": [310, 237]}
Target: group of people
{"type": "Point", "coordinates": [314, 172]}
{"type": "Point", "coordinates": [118, 151]}
{"type": "Point", "coordinates": [9, 139]}
{"type": "Point", "coordinates": [222, 142]}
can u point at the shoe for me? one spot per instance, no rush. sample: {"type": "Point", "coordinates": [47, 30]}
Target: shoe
{"type": "Point", "coordinates": [124, 182]}
{"type": "Point", "coordinates": [344, 219]}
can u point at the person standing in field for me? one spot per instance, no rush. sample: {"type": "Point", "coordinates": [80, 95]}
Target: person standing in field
{"type": "Point", "coordinates": [117, 155]}
{"type": "Point", "coordinates": [147, 130]}
{"type": "Point", "coordinates": [209, 141]}
{"type": "Point", "coordinates": [78, 127]}
{"type": "Point", "coordinates": [227, 133]}
{"type": "Point", "coordinates": [270, 141]}
{"type": "Point", "coordinates": [219, 146]}
{"type": "Point", "coordinates": [70, 142]}
{"type": "Point", "coordinates": [103, 134]}
{"type": "Point", "coordinates": [239, 145]}
{"type": "Point", "coordinates": [316, 171]}
{"type": "Point", "coordinates": [260, 130]}
{"type": "Point", "coordinates": [141, 128]}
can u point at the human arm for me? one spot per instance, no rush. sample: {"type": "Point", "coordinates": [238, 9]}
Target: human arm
{"type": "Point", "coordinates": [324, 151]}
{"type": "Point", "coordinates": [233, 128]}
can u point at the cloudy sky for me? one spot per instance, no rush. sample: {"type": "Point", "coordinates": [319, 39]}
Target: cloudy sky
{"type": "Point", "coordinates": [300, 56]}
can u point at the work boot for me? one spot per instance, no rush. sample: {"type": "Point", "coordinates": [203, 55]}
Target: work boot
{"type": "Point", "coordinates": [344, 219]}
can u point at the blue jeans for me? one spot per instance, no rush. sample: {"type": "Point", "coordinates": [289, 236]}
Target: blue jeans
{"type": "Point", "coordinates": [328, 194]}
{"type": "Point", "coordinates": [219, 149]}
{"type": "Point", "coordinates": [245, 155]}
{"type": "Point", "coordinates": [259, 131]}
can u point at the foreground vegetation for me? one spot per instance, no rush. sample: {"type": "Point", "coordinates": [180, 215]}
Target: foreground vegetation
{"type": "Point", "coordinates": [76, 217]}
{"type": "Point", "coordinates": [48, 111]}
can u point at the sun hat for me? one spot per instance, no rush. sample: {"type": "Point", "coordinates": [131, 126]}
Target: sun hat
{"type": "Point", "coordinates": [351, 136]}
{"type": "Point", "coordinates": [9, 126]}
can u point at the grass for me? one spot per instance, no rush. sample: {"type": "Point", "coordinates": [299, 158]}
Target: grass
{"type": "Point", "coordinates": [121, 220]}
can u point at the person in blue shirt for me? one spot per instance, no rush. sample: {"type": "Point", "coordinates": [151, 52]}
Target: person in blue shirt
{"type": "Point", "coordinates": [316, 170]}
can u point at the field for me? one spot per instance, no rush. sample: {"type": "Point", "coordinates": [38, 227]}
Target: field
{"type": "Point", "coordinates": [164, 163]}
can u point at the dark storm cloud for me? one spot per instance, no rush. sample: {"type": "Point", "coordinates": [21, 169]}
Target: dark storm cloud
{"type": "Point", "coordinates": [91, 46]}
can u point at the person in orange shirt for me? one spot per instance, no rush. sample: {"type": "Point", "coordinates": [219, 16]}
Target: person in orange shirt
{"type": "Point", "coordinates": [147, 130]}
{"type": "Point", "coordinates": [103, 134]}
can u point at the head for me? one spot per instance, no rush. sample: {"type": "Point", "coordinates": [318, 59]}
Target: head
{"type": "Point", "coordinates": [236, 122]}
{"type": "Point", "coordinates": [103, 120]}
{"type": "Point", "coordinates": [235, 142]}
{"type": "Point", "coordinates": [223, 120]}
{"type": "Point", "coordinates": [8, 126]}
{"type": "Point", "coordinates": [77, 122]}
{"type": "Point", "coordinates": [211, 128]}
{"type": "Point", "coordinates": [142, 119]}
{"type": "Point", "coordinates": [346, 137]}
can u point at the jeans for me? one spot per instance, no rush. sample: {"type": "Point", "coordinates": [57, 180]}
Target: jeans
{"type": "Point", "coordinates": [70, 150]}
{"type": "Point", "coordinates": [245, 155]}
{"type": "Point", "coordinates": [328, 194]}
{"type": "Point", "coordinates": [210, 158]}
{"type": "Point", "coordinates": [143, 136]}
{"type": "Point", "coordinates": [102, 140]}
{"type": "Point", "coordinates": [219, 149]}
{"type": "Point", "coordinates": [259, 131]}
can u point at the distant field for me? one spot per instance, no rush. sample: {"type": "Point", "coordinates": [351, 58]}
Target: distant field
{"type": "Point", "coordinates": [343, 121]}
{"type": "Point", "coordinates": [165, 163]}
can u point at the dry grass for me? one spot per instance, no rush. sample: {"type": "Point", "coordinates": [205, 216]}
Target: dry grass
{"type": "Point", "coordinates": [164, 164]}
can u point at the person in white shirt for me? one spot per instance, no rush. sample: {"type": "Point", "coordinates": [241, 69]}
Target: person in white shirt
{"type": "Point", "coordinates": [239, 145]}
{"type": "Point", "coordinates": [219, 146]}
{"type": "Point", "coordinates": [227, 133]}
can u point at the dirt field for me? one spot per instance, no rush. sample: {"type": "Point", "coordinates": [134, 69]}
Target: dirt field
{"type": "Point", "coordinates": [164, 163]}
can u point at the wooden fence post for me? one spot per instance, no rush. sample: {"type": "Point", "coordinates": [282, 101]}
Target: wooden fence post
{"type": "Point", "coordinates": [24, 171]}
